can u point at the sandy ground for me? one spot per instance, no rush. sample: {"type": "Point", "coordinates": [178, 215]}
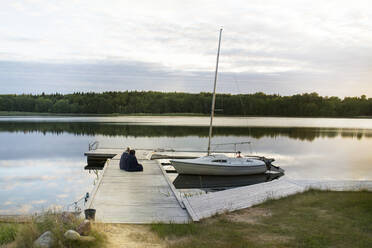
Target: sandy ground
{"type": "Point", "coordinates": [130, 236]}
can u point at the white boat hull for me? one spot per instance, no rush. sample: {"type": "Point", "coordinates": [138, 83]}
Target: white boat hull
{"type": "Point", "coordinates": [191, 168]}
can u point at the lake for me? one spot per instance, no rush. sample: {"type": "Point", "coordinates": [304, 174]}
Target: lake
{"type": "Point", "coordinates": [42, 158]}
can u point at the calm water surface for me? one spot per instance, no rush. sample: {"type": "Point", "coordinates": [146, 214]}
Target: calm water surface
{"type": "Point", "coordinates": [42, 158]}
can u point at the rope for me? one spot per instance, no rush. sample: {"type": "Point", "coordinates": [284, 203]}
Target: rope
{"type": "Point", "coordinates": [75, 203]}
{"type": "Point", "coordinates": [93, 146]}
{"type": "Point", "coordinates": [244, 110]}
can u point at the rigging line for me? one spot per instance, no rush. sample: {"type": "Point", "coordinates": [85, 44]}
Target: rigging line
{"type": "Point", "coordinates": [243, 106]}
{"type": "Point", "coordinates": [235, 143]}
{"type": "Point", "coordinates": [239, 94]}
{"type": "Point", "coordinates": [251, 149]}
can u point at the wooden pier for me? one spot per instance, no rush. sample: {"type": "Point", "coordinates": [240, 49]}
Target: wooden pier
{"type": "Point", "coordinates": [149, 196]}
{"type": "Point", "coordinates": [135, 197]}
{"type": "Point", "coordinates": [206, 205]}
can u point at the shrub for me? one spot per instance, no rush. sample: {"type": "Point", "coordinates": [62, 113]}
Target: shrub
{"type": "Point", "coordinates": [53, 222]}
{"type": "Point", "coordinates": [7, 233]}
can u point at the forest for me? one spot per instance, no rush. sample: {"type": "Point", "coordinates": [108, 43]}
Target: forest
{"type": "Point", "coordinates": [150, 102]}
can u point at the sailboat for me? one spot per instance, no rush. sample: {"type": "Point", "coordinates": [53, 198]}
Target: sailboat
{"type": "Point", "coordinates": [220, 164]}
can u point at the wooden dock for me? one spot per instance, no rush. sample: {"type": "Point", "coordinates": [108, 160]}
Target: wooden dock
{"type": "Point", "coordinates": [149, 196]}
{"type": "Point", "coordinates": [135, 197]}
{"type": "Point", "coordinates": [206, 205]}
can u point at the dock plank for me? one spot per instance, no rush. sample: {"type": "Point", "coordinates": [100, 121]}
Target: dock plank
{"type": "Point", "coordinates": [206, 205]}
{"type": "Point", "coordinates": [136, 197]}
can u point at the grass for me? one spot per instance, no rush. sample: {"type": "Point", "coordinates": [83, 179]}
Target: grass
{"type": "Point", "coordinates": [311, 219]}
{"type": "Point", "coordinates": [8, 232]}
{"type": "Point", "coordinates": [25, 234]}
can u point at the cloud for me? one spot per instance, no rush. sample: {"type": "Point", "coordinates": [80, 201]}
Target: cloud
{"type": "Point", "coordinates": [7, 203]}
{"type": "Point", "coordinates": [62, 196]}
{"type": "Point", "coordinates": [38, 202]}
{"type": "Point", "coordinates": [25, 208]}
{"type": "Point", "coordinates": [52, 185]}
{"type": "Point", "coordinates": [55, 207]}
{"type": "Point", "coordinates": [25, 179]}
{"type": "Point", "coordinates": [5, 211]}
{"type": "Point", "coordinates": [171, 45]}
{"type": "Point", "coordinates": [99, 77]}
{"type": "Point", "coordinates": [45, 163]}
{"type": "Point", "coordinates": [9, 187]}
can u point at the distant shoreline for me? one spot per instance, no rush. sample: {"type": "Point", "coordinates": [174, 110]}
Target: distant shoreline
{"type": "Point", "coordinates": [43, 114]}
{"type": "Point", "coordinates": [194, 104]}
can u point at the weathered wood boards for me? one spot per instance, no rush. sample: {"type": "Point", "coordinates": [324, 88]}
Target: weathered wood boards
{"type": "Point", "coordinates": [206, 205]}
{"type": "Point", "coordinates": [136, 197]}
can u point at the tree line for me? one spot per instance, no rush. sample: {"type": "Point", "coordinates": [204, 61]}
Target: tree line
{"type": "Point", "coordinates": [150, 102]}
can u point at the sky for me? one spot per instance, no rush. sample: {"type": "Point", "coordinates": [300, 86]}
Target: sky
{"type": "Point", "coordinates": [282, 47]}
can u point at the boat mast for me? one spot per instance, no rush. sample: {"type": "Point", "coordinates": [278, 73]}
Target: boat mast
{"type": "Point", "coordinates": [214, 95]}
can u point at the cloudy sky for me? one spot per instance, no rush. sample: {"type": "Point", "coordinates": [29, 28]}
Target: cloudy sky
{"type": "Point", "coordinates": [284, 47]}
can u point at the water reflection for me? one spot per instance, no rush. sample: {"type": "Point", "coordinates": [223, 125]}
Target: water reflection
{"type": "Point", "coordinates": [39, 172]}
{"type": "Point", "coordinates": [211, 183]}
{"type": "Point", "coordinates": [42, 163]}
{"type": "Point", "coordinates": [121, 129]}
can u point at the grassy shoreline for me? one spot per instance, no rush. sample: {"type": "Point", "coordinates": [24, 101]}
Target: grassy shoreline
{"type": "Point", "coordinates": [311, 219]}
